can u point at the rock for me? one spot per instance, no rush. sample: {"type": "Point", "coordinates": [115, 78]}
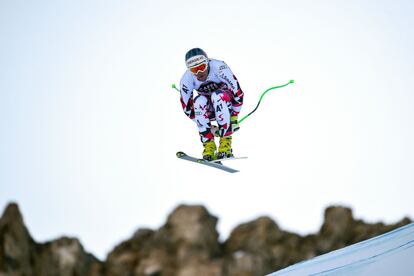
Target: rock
{"type": "Point", "coordinates": [66, 257]}
{"type": "Point", "coordinates": [17, 248]}
{"type": "Point", "coordinates": [256, 246]}
{"type": "Point", "coordinates": [200, 267]}
{"type": "Point", "coordinates": [21, 255]}
{"type": "Point", "coordinates": [192, 231]}
{"type": "Point", "coordinates": [336, 230]}
{"type": "Point", "coordinates": [126, 257]}
{"type": "Point", "coordinates": [187, 242]}
{"type": "Point", "coordinates": [186, 245]}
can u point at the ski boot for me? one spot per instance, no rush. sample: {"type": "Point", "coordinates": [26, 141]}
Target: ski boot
{"type": "Point", "coordinates": [225, 150]}
{"type": "Point", "coordinates": [209, 152]}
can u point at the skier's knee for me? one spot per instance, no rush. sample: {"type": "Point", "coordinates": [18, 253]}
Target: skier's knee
{"type": "Point", "coordinates": [215, 96]}
{"type": "Point", "coordinates": [202, 109]}
{"type": "Point", "coordinates": [220, 95]}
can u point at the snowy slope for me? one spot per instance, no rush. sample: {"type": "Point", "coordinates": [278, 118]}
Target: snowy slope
{"type": "Point", "coordinates": [389, 254]}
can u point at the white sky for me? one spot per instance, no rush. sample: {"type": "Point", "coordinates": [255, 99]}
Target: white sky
{"type": "Point", "coordinates": [90, 126]}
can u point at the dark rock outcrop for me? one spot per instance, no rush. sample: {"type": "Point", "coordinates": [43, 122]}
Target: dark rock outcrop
{"type": "Point", "coordinates": [18, 250]}
{"type": "Point", "coordinates": [20, 255]}
{"type": "Point", "coordinates": [66, 257]}
{"type": "Point", "coordinates": [186, 245]}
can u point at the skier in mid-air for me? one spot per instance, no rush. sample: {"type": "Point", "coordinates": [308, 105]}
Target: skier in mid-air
{"type": "Point", "coordinates": [219, 98]}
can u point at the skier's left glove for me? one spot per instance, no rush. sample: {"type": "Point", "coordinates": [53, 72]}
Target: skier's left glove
{"type": "Point", "coordinates": [234, 123]}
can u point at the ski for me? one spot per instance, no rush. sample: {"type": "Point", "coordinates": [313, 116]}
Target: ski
{"type": "Point", "coordinates": [216, 164]}
{"type": "Point", "coordinates": [226, 159]}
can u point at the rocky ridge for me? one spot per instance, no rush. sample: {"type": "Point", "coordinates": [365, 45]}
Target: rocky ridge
{"type": "Point", "coordinates": [186, 245]}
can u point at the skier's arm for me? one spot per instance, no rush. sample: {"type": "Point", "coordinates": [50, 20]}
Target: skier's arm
{"type": "Point", "coordinates": [227, 76]}
{"type": "Point", "coordinates": [186, 96]}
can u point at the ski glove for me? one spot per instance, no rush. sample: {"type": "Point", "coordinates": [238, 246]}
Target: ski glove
{"type": "Point", "coordinates": [215, 130]}
{"type": "Point", "coordinates": [234, 126]}
{"type": "Point", "coordinates": [234, 123]}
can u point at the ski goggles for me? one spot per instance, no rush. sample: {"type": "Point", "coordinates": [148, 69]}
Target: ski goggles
{"type": "Point", "coordinates": [201, 67]}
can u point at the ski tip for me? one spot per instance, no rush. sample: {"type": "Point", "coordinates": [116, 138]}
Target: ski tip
{"type": "Point", "coordinates": [291, 81]}
{"type": "Point", "coordinates": [180, 154]}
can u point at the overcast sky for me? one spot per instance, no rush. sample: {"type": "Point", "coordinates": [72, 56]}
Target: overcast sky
{"type": "Point", "coordinates": [90, 125]}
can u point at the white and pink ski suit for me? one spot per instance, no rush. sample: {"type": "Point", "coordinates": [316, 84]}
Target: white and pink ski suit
{"type": "Point", "coordinates": [219, 97]}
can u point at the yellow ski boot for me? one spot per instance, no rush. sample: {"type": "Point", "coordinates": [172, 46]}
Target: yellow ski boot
{"type": "Point", "coordinates": [225, 150]}
{"type": "Point", "coordinates": [209, 152]}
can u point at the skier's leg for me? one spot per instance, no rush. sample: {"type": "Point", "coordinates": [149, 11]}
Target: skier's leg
{"type": "Point", "coordinates": [222, 106]}
{"type": "Point", "coordinates": [202, 108]}
{"type": "Point", "coordinates": [202, 117]}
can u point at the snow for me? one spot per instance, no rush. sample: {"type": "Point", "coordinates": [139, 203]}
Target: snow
{"type": "Point", "coordinates": [389, 254]}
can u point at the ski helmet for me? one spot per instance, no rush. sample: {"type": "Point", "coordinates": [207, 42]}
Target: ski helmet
{"type": "Point", "coordinates": [194, 57]}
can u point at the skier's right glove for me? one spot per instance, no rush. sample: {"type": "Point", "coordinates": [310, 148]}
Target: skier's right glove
{"type": "Point", "coordinates": [234, 123]}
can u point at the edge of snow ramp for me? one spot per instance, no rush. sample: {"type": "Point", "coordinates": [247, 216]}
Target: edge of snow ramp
{"type": "Point", "coordinates": [391, 253]}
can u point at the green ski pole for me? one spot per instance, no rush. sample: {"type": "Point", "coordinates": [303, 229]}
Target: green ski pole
{"type": "Point", "coordinates": [261, 97]}
{"type": "Point", "coordinates": [260, 100]}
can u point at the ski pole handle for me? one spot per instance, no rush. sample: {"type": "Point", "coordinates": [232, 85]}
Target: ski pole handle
{"type": "Point", "coordinates": [174, 87]}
